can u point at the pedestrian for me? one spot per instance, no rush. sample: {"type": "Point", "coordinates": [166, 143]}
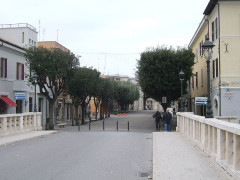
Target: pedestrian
{"type": "Point", "coordinates": [167, 118]}
{"type": "Point", "coordinates": [158, 119]}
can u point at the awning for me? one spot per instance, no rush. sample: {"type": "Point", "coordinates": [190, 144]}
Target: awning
{"type": "Point", "coordinates": [8, 101]}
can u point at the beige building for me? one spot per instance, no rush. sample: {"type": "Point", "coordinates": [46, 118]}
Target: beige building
{"type": "Point", "coordinates": [64, 101]}
{"type": "Point", "coordinates": [221, 21]}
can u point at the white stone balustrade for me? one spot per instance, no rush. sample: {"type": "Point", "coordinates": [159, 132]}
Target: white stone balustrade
{"type": "Point", "coordinates": [18, 123]}
{"type": "Point", "coordinates": [220, 139]}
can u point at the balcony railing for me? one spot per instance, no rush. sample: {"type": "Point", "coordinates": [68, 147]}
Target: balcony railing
{"type": "Point", "coordinates": [19, 25]}
{"type": "Point", "coordinates": [18, 123]}
{"type": "Point", "coordinates": [220, 139]}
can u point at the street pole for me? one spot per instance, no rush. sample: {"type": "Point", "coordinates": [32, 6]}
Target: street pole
{"type": "Point", "coordinates": [35, 97]}
{"type": "Point", "coordinates": [181, 77]}
{"type": "Point", "coordinates": [181, 110]}
{"type": "Point", "coordinates": [209, 112]}
{"type": "Point", "coordinates": [208, 45]}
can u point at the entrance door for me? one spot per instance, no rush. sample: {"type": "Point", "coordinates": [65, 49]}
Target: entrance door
{"type": "Point", "coordinates": [19, 106]}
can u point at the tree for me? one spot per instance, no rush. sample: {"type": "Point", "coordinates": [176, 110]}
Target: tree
{"type": "Point", "coordinates": [125, 93]}
{"type": "Point", "coordinates": [106, 96]}
{"type": "Point", "coordinates": [158, 72]}
{"type": "Point", "coordinates": [54, 68]}
{"type": "Point", "coordinates": [82, 86]}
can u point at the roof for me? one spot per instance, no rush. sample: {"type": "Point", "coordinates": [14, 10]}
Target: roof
{"type": "Point", "coordinates": [210, 7]}
{"type": "Point", "coordinates": [7, 42]}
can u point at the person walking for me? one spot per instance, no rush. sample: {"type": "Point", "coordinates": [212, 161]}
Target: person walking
{"type": "Point", "coordinates": [167, 118]}
{"type": "Point", "coordinates": [158, 119]}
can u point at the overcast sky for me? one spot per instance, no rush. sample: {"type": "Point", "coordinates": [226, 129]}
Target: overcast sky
{"type": "Point", "coordinates": [108, 34]}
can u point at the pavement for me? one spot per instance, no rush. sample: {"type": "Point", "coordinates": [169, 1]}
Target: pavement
{"type": "Point", "coordinates": [4, 140]}
{"type": "Point", "coordinates": [176, 157]}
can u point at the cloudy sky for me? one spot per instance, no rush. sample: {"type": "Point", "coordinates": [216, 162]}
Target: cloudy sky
{"type": "Point", "coordinates": [108, 34]}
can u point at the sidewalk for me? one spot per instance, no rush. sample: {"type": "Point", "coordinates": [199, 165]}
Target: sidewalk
{"type": "Point", "coordinates": [175, 157]}
{"type": "Point", "coordinates": [4, 140]}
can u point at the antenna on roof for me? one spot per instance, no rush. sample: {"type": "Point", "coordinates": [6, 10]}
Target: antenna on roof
{"type": "Point", "coordinates": [39, 31]}
{"type": "Point", "coordinates": [57, 34]}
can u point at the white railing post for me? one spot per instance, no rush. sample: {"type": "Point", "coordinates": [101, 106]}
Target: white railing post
{"type": "Point", "coordinates": [236, 152]}
{"type": "Point", "coordinates": [229, 148]}
{"type": "Point", "coordinates": [221, 143]}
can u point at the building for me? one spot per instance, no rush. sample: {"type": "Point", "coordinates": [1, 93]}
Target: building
{"type": "Point", "coordinates": [64, 101]}
{"type": "Point", "coordinates": [198, 82]}
{"type": "Point", "coordinates": [221, 18]}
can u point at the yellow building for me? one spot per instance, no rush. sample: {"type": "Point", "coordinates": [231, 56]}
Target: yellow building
{"type": "Point", "coordinates": [222, 24]}
{"type": "Point", "coordinates": [198, 82]}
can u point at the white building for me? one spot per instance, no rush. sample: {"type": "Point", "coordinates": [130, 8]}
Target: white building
{"type": "Point", "coordinates": [16, 93]}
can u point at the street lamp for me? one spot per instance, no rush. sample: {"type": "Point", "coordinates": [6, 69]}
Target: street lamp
{"type": "Point", "coordinates": [208, 45]}
{"type": "Point", "coordinates": [35, 77]}
{"type": "Point", "coordinates": [181, 77]}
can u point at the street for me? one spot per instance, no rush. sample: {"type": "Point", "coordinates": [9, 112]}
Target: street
{"type": "Point", "coordinates": [95, 154]}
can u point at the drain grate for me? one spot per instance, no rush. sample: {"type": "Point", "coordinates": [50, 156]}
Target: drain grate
{"type": "Point", "coordinates": [143, 174]}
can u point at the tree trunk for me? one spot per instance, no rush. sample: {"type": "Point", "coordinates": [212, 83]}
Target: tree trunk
{"type": "Point", "coordinates": [51, 106]}
{"type": "Point", "coordinates": [96, 111]}
{"type": "Point", "coordinates": [83, 110]}
{"type": "Point", "coordinates": [76, 114]}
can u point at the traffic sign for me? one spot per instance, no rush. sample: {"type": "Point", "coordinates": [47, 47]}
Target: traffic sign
{"type": "Point", "coordinates": [201, 100]}
{"type": "Point", "coordinates": [164, 99]}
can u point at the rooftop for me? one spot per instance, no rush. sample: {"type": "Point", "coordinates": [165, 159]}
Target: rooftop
{"type": "Point", "coordinates": [18, 25]}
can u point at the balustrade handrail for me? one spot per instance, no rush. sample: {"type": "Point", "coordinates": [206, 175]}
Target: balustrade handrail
{"type": "Point", "coordinates": [218, 138]}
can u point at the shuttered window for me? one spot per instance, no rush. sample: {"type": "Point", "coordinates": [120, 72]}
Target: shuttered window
{"type": "Point", "coordinates": [20, 71]}
{"type": "Point", "coordinates": [3, 68]}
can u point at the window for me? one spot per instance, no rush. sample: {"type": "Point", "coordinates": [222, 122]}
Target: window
{"type": "Point", "coordinates": [201, 77]}
{"type": "Point", "coordinates": [196, 79]}
{"type": "Point", "coordinates": [200, 48]}
{"type": "Point", "coordinates": [213, 31]}
{"type": "Point", "coordinates": [216, 67]}
{"type": "Point", "coordinates": [29, 41]}
{"type": "Point", "coordinates": [22, 37]}
{"type": "Point", "coordinates": [213, 68]}
{"type": "Point", "coordinates": [20, 71]}
{"type": "Point", "coordinates": [3, 68]}
{"type": "Point", "coordinates": [216, 33]}
{"type": "Point", "coordinates": [192, 82]}
{"type": "Point", "coordinates": [196, 56]}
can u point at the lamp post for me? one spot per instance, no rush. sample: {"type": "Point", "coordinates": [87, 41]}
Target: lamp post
{"type": "Point", "coordinates": [35, 76]}
{"type": "Point", "coordinates": [208, 45]}
{"type": "Point", "coordinates": [181, 77]}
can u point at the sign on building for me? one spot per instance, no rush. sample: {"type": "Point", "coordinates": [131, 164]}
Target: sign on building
{"type": "Point", "coordinates": [19, 96]}
{"type": "Point", "coordinates": [201, 100]}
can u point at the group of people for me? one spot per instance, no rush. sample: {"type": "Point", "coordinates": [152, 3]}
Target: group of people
{"type": "Point", "coordinates": [166, 119]}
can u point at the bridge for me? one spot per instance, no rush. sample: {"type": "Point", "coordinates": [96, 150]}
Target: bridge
{"type": "Point", "coordinates": [200, 148]}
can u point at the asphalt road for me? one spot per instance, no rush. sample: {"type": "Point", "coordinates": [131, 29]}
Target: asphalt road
{"type": "Point", "coordinates": [84, 155]}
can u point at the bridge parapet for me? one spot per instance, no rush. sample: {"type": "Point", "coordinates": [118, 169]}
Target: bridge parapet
{"type": "Point", "coordinates": [18, 123]}
{"type": "Point", "coordinates": [220, 139]}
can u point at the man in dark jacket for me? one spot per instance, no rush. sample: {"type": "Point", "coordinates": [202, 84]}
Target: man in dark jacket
{"type": "Point", "coordinates": [167, 118]}
{"type": "Point", "coordinates": [158, 119]}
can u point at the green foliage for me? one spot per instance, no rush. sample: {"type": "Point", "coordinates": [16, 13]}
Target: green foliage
{"type": "Point", "coordinates": [125, 93]}
{"type": "Point", "coordinates": [82, 84]}
{"type": "Point", "coordinates": [82, 87]}
{"type": "Point", "coordinates": [53, 67]}
{"type": "Point", "coordinates": [158, 72]}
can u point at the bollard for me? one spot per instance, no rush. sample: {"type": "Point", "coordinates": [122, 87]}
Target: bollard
{"type": "Point", "coordinates": [117, 125]}
{"type": "Point", "coordinates": [89, 125]}
{"type": "Point", "coordinates": [103, 125]}
{"type": "Point", "coordinates": [128, 125]}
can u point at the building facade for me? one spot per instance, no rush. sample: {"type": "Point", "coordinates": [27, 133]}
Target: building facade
{"type": "Point", "coordinates": [222, 20]}
{"type": "Point", "coordinates": [14, 39]}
